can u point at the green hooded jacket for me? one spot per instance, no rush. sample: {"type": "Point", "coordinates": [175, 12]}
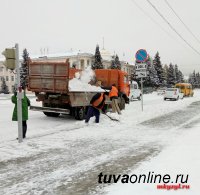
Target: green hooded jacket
{"type": "Point", "coordinates": [25, 104]}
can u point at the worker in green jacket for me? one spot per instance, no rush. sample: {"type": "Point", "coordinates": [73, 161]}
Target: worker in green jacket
{"type": "Point", "coordinates": [25, 105]}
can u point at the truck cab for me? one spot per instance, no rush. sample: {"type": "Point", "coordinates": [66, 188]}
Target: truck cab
{"type": "Point", "coordinates": [107, 77]}
{"type": "Point", "coordinates": [135, 92]}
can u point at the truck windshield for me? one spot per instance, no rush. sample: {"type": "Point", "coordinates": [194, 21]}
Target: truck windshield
{"type": "Point", "coordinates": [133, 86]}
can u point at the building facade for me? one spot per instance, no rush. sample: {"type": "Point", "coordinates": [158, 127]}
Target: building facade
{"type": "Point", "coordinates": [80, 60]}
{"type": "Point", "coordinates": [9, 77]}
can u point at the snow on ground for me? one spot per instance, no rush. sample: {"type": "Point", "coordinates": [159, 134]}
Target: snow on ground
{"type": "Point", "coordinates": [181, 157]}
{"type": "Point", "coordinates": [40, 125]}
{"type": "Point", "coordinates": [61, 149]}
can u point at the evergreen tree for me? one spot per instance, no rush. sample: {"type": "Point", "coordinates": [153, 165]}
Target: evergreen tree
{"type": "Point", "coordinates": [171, 76]}
{"type": "Point", "coordinates": [193, 79]}
{"type": "Point", "coordinates": [116, 64]}
{"type": "Point", "coordinates": [4, 87]}
{"type": "Point", "coordinates": [113, 65]}
{"type": "Point", "coordinates": [152, 78]}
{"type": "Point", "coordinates": [181, 77]}
{"type": "Point", "coordinates": [176, 73]}
{"type": "Point", "coordinates": [159, 68]}
{"type": "Point", "coordinates": [197, 80]}
{"type": "Point", "coordinates": [24, 69]}
{"type": "Point", "coordinates": [165, 73]}
{"type": "Point", "coordinates": [98, 59]}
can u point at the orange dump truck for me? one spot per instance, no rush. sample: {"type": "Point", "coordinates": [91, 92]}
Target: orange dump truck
{"type": "Point", "coordinates": [50, 83]}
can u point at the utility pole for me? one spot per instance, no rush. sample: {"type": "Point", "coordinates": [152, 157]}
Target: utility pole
{"type": "Point", "coordinates": [12, 62]}
{"type": "Point", "coordinates": [19, 94]}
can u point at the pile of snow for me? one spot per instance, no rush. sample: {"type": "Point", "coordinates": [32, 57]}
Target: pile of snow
{"type": "Point", "coordinates": [81, 82]}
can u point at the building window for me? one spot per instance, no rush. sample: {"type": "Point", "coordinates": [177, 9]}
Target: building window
{"type": "Point", "coordinates": [1, 69]}
{"type": "Point", "coordinates": [7, 79]}
{"type": "Point", "coordinates": [82, 65]}
{"type": "Point", "coordinates": [12, 78]}
{"type": "Point", "coordinates": [88, 62]}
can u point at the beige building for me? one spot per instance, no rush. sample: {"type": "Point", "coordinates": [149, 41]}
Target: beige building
{"type": "Point", "coordinates": [80, 60]}
{"type": "Point", "coordinates": [8, 75]}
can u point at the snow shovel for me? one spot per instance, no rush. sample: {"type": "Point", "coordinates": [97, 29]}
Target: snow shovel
{"type": "Point", "coordinates": [113, 119]}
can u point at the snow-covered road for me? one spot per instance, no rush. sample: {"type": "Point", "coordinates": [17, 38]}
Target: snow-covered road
{"type": "Point", "coordinates": [63, 156]}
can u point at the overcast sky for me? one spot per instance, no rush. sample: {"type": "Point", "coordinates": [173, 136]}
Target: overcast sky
{"type": "Point", "coordinates": [60, 25]}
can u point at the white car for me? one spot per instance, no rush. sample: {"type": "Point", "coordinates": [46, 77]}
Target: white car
{"type": "Point", "coordinates": [135, 92]}
{"type": "Point", "coordinates": [173, 94]}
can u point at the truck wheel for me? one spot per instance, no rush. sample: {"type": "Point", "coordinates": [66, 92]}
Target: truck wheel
{"type": "Point", "coordinates": [79, 113]}
{"type": "Point", "coordinates": [122, 104]}
{"type": "Point", "coordinates": [131, 99]}
{"type": "Point", "coordinates": [51, 114]}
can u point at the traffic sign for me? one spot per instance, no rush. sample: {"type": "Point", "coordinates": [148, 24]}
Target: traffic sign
{"type": "Point", "coordinates": [141, 55]}
{"type": "Point", "coordinates": [141, 74]}
{"type": "Point", "coordinates": [140, 66]}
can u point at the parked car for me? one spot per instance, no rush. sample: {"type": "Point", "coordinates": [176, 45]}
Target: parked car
{"type": "Point", "coordinates": [135, 92]}
{"type": "Point", "coordinates": [173, 94]}
{"type": "Point", "coordinates": [161, 91]}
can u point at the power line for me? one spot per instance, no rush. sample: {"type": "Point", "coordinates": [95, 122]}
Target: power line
{"type": "Point", "coordinates": [182, 21]}
{"type": "Point", "coordinates": [173, 28]}
{"type": "Point", "coordinates": [152, 19]}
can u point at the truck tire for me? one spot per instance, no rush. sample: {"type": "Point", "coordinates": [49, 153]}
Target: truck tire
{"type": "Point", "coordinates": [139, 98]}
{"type": "Point", "coordinates": [131, 99]}
{"type": "Point", "coordinates": [51, 114]}
{"type": "Point", "coordinates": [79, 113]}
{"type": "Point", "coordinates": [122, 103]}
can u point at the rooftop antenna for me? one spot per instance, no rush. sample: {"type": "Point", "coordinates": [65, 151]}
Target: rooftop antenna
{"type": "Point", "coordinates": [103, 42]}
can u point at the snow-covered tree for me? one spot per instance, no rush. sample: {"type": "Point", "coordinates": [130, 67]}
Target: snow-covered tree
{"type": "Point", "coordinates": [159, 68]}
{"type": "Point", "coordinates": [192, 78]}
{"type": "Point", "coordinates": [176, 75]}
{"type": "Point", "coordinates": [165, 73]}
{"type": "Point", "coordinates": [198, 80]}
{"type": "Point", "coordinates": [170, 76]}
{"type": "Point", "coordinates": [98, 59]}
{"type": "Point", "coordinates": [4, 87]}
{"type": "Point", "coordinates": [24, 69]}
{"type": "Point", "coordinates": [152, 78]}
{"type": "Point", "coordinates": [181, 77]}
{"type": "Point", "coordinates": [115, 63]}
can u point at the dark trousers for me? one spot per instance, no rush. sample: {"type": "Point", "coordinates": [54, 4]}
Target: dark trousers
{"type": "Point", "coordinates": [92, 112]}
{"type": "Point", "coordinates": [24, 128]}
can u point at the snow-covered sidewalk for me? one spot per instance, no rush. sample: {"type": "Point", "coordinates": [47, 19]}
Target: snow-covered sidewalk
{"type": "Point", "coordinates": [181, 157]}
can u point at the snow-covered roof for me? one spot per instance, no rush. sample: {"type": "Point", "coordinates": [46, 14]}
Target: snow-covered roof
{"type": "Point", "coordinates": [64, 54]}
{"type": "Point", "coordinates": [54, 55]}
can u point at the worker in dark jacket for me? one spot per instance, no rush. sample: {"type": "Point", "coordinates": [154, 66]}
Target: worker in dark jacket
{"type": "Point", "coordinates": [25, 104]}
{"type": "Point", "coordinates": [97, 103]}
